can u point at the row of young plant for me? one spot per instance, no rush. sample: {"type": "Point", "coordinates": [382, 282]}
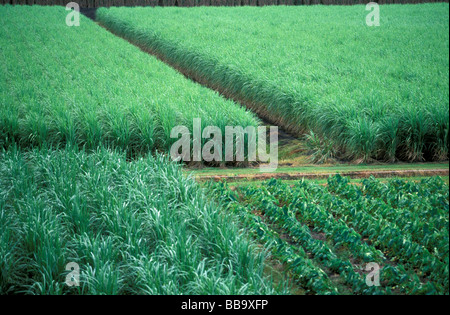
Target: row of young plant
{"type": "Point", "coordinates": [428, 199]}
{"type": "Point", "coordinates": [306, 208]}
{"type": "Point", "coordinates": [425, 218]}
{"type": "Point", "coordinates": [300, 214]}
{"type": "Point", "coordinates": [305, 271]}
{"type": "Point", "coordinates": [285, 218]}
{"type": "Point", "coordinates": [406, 268]}
{"type": "Point", "coordinates": [396, 243]}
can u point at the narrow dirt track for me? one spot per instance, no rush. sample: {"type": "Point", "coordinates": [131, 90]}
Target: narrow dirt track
{"type": "Point", "coordinates": [351, 174]}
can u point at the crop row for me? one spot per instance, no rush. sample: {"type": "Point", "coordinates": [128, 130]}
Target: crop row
{"type": "Point", "coordinates": [350, 229]}
{"type": "Point", "coordinates": [426, 222]}
{"type": "Point", "coordinates": [302, 235]}
{"type": "Point", "coordinates": [303, 203]}
{"type": "Point", "coordinates": [300, 212]}
{"type": "Point", "coordinates": [428, 198]}
{"type": "Point", "coordinates": [368, 219]}
{"type": "Point", "coordinates": [306, 272]}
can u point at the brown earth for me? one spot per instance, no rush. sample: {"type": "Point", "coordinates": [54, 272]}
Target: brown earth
{"type": "Point", "coordinates": [352, 174]}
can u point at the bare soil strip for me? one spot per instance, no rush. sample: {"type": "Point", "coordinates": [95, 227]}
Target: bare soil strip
{"type": "Point", "coordinates": [89, 12]}
{"type": "Point", "coordinates": [351, 174]}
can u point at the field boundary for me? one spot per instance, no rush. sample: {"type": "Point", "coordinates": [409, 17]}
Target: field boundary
{"type": "Point", "coordinates": [323, 175]}
{"type": "Point", "coordinates": [197, 3]}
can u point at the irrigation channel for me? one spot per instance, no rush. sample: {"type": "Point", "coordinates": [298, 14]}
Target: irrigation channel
{"type": "Point", "coordinates": [294, 163]}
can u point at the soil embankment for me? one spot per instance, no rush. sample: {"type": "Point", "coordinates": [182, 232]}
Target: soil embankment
{"type": "Point", "coordinates": [325, 175]}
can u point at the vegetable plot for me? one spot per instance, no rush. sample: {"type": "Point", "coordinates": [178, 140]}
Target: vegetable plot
{"type": "Point", "coordinates": [401, 226]}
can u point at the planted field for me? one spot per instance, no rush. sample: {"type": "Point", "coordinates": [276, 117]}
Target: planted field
{"type": "Point", "coordinates": [328, 235]}
{"type": "Point", "coordinates": [90, 202]}
{"type": "Point", "coordinates": [133, 228]}
{"type": "Point", "coordinates": [373, 92]}
{"type": "Point", "coordinates": [84, 86]}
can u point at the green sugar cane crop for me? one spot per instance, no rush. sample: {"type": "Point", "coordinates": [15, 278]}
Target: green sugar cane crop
{"type": "Point", "coordinates": [376, 92]}
{"type": "Point", "coordinates": [133, 228]}
{"type": "Point", "coordinates": [83, 86]}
